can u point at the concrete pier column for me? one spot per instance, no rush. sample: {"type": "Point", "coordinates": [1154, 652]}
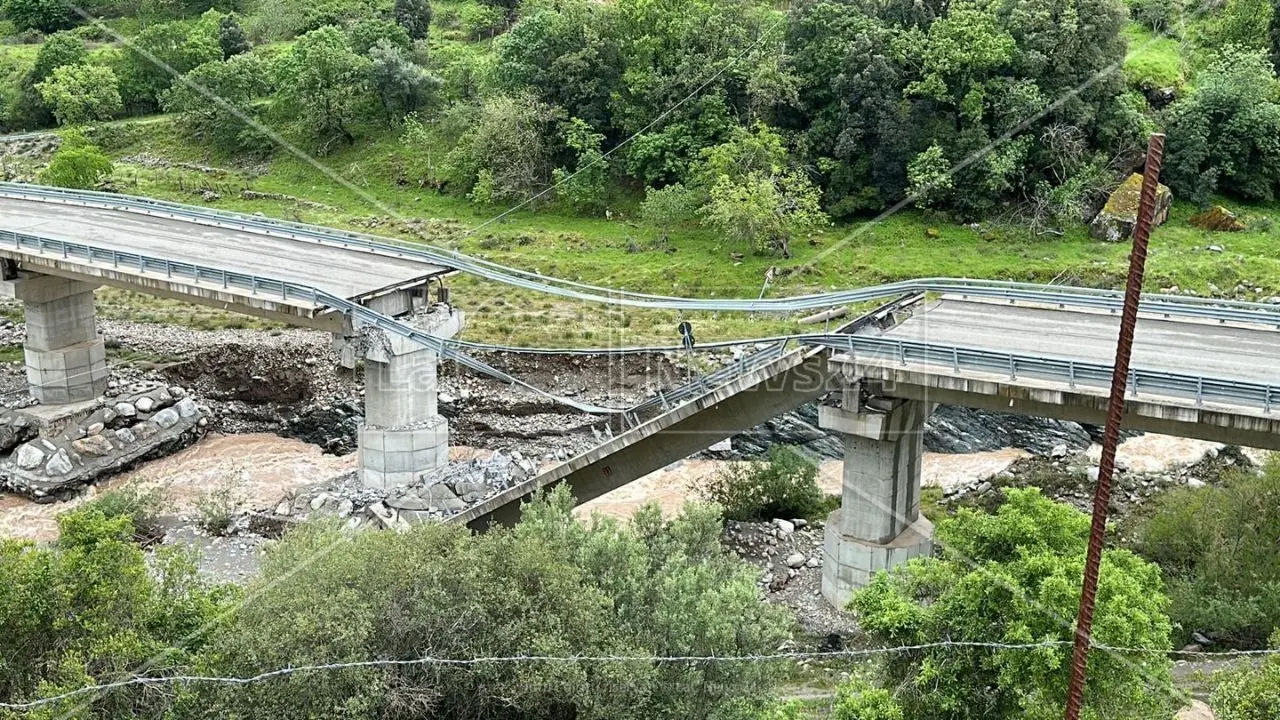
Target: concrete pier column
{"type": "Point", "coordinates": [65, 358]}
{"type": "Point", "coordinates": [878, 525]}
{"type": "Point", "coordinates": [404, 434]}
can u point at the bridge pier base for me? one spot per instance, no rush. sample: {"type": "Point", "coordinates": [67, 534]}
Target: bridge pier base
{"type": "Point", "coordinates": [878, 525]}
{"type": "Point", "coordinates": [404, 434]}
{"type": "Point", "coordinates": [66, 359]}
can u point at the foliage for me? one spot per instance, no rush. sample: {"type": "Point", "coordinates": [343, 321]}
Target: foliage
{"type": "Point", "coordinates": [139, 505]}
{"type": "Point", "coordinates": [665, 208]}
{"type": "Point", "coordinates": [1161, 16]}
{"type": "Point", "coordinates": [1243, 23]}
{"type": "Point", "coordinates": [81, 93]}
{"type": "Point", "coordinates": [63, 48]}
{"type": "Point", "coordinates": [506, 154]}
{"type": "Point", "coordinates": [157, 56]}
{"type": "Point", "coordinates": [1250, 693]}
{"type": "Point", "coordinates": [929, 177]}
{"type": "Point", "coordinates": [480, 20]}
{"type": "Point", "coordinates": [88, 609]}
{"type": "Point", "coordinates": [322, 85]}
{"type": "Point", "coordinates": [1225, 135]}
{"type": "Point", "coordinates": [44, 15]}
{"type": "Point", "coordinates": [858, 701]}
{"type": "Point", "coordinates": [549, 586]}
{"type": "Point", "coordinates": [1217, 548]}
{"type": "Point", "coordinates": [400, 86]}
{"type": "Point", "coordinates": [216, 101]}
{"type": "Point", "coordinates": [414, 16]}
{"type": "Point", "coordinates": [231, 37]}
{"type": "Point", "coordinates": [783, 486]}
{"type": "Point", "coordinates": [218, 508]}
{"type": "Point", "coordinates": [1014, 577]}
{"type": "Point", "coordinates": [583, 186]}
{"type": "Point", "coordinates": [367, 33]}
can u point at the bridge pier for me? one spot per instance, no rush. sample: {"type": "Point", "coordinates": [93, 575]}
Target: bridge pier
{"type": "Point", "coordinates": [878, 525]}
{"type": "Point", "coordinates": [65, 357]}
{"type": "Point", "coordinates": [404, 434]}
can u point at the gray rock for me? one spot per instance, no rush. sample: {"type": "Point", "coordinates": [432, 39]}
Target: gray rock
{"type": "Point", "coordinates": [28, 457]}
{"type": "Point", "coordinates": [59, 464]}
{"type": "Point", "coordinates": [470, 490]}
{"type": "Point", "coordinates": [125, 410]}
{"type": "Point", "coordinates": [786, 527]}
{"type": "Point", "coordinates": [796, 560]}
{"type": "Point", "coordinates": [442, 498]}
{"type": "Point", "coordinates": [186, 407]}
{"type": "Point", "coordinates": [167, 418]}
{"type": "Point", "coordinates": [284, 508]}
{"type": "Point", "coordinates": [144, 404]}
{"type": "Point", "coordinates": [318, 501]}
{"type": "Point", "coordinates": [407, 502]}
{"type": "Point", "coordinates": [125, 435]}
{"type": "Point", "coordinates": [95, 428]}
{"type": "Point", "coordinates": [144, 430]}
{"type": "Point", "coordinates": [345, 508]}
{"type": "Point", "coordinates": [95, 445]}
{"type": "Point", "coordinates": [1058, 451]}
{"type": "Point", "coordinates": [177, 392]}
{"type": "Point", "coordinates": [1195, 483]}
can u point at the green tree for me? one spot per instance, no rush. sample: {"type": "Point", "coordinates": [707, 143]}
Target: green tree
{"type": "Point", "coordinates": [158, 55]}
{"type": "Point", "coordinates": [665, 208]}
{"type": "Point", "coordinates": [1246, 23]}
{"type": "Point", "coordinates": [367, 33]}
{"type": "Point", "coordinates": [582, 187]}
{"type": "Point", "coordinates": [231, 37]}
{"type": "Point", "coordinates": [856, 700]}
{"type": "Point", "coordinates": [783, 486]}
{"type": "Point", "coordinates": [1014, 577]}
{"type": "Point", "coordinates": [81, 93]}
{"type": "Point", "coordinates": [401, 86]}
{"type": "Point", "coordinates": [1216, 546]}
{"type": "Point", "coordinates": [549, 586]}
{"type": "Point", "coordinates": [506, 154]}
{"type": "Point", "coordinates": [62, 48]}
{"type": "Point", "coordinates": [1225, 135]}
{"type": "Point", "coordinates": [47, 16]}
{"type": "Point", "coordinates": [414, 16]}
{"type": "Point", "coordinates": [1162, 16]}
{"type": "Point", "coordinates": [323, 86]}
{"type": "Point", "coordinates": [89, 608]}
{"type": "Point", "coordinates": [216, 100]}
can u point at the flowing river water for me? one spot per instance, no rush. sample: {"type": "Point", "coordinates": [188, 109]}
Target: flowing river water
{"type": "Point", "coordinates": [264, 467]}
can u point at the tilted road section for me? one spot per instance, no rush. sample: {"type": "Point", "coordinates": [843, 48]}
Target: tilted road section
{"type": "Point", "coordinates": [360, 274]}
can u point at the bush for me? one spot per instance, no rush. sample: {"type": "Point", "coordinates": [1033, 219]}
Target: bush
{"type": "Point", "coordinates": [44, 15]}
{"type": "Point", "coordinates": [856, 700]}
{"type": "Point", "coordinates": [77, 164]}
{"type": "Point", "coordinates": [219, 508]}
{"type": "Point", "coordinates": [480, 21]}
{"type": "Point", "coordinates": [90, 609]}
{"type": "Point", "coordinates": [1160, 16]}
{"type": "Point", "coordinates": [1250, 693]}
{"type": "Point", "coordinates": [549, 586]}
{"type": "Point", "coordinates": [1014, 577]}
{"type": "Point", "coordinates": [506, 154]}
{"type": "Point", "coordinates": [784, 486]}
{"type": "Point", "coordinates": [139, 505]}
{"type": "Point", "coordinates": [81, 93]}
{"type": "Point", "coordinates": [1217, 546]}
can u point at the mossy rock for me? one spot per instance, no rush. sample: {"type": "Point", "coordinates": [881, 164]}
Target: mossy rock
{"type": "Point", "coordinates": [1119, 216]}
{"type": "Point", "coordinates": [1217, 218]}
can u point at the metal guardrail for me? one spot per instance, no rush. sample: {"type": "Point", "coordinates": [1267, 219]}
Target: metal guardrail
{"type": "Point", "coordinates": [1199, 388]}
{"type": "Point", "coordinates": [1204, 308]}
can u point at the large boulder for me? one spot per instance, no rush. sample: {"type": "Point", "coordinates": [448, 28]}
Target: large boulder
{"type": "Point", "coordinates": [1118, 217]}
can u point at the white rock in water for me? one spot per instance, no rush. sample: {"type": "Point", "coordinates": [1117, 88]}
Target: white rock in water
{"type": "Point", "coordinates": [28, 457]}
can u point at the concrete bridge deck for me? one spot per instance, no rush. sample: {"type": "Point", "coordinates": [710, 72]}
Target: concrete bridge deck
{"type": "Point", "coordinates": [354, 273]}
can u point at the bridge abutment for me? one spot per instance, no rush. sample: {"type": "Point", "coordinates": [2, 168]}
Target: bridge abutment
{"type": "Point", "coordinates": [878, 525]}
{"type": "Point", "coordinates": [404, 433]}
{"type": "Point", "coordinates": [66, 359]}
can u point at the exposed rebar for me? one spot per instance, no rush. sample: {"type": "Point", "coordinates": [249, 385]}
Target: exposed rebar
{"type": "Point", "coordinates": [1111, 434]}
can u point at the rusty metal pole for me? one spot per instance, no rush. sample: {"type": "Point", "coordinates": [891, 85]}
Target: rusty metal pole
{"type": "Point", "coordinates": [1111, 434]}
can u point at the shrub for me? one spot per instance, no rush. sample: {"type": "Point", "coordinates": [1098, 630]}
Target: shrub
{"type": "Point", "coordinates": [784, 486]}
{"type": "Point", "coordinates": [549, 586]}
{"type": "Point", "coordinates": [1159, 15]}
{"type": "Point", "coordinates": [856, 700]}
{"type": "Point", "coordinates": [219, 508]}
{"type": "Point", "coordinates": [77, 164]}
{"type": "Point", "coordinates": [480, 21]}
{"type": "Point", "coordinates": [81, 93]}
{"type": "Point", "coordinates": [44, 15]}
{"type": "Point", "coordinates": [1014, 577]}
{"type": "Point", "coordinates": [1217, 546]}
{"type": "Point", "coordinates": [141, 506]}
{"type": "Point", "coordinates": [1250, 693]}
{"type": "Point", "coordinates": [506, 154]}
{"type": "Point", "coordinates": [668, 207]}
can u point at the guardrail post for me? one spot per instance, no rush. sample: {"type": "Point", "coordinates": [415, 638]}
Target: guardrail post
{"type": "Point", "coordinates": [955, 359]}
{"type": "Point", "coordinates": [1071, 374]}
{"type": "Point", "coordinates": [168, 269]}
{"type": "Point", "coordinates": [1133, 382]}
{"type": "Point", "coordinates": [1199, 390]}
{"type": "Point", "coordinates": [902, 353]}
{"type": "Point", "coordinates": [1266, 405]}
{"type": "Point", "coordinates": [224, 279]}
{"type": "Point", "coordinates": [1013, 367]}
{"type": "Point", "coordinates": [40, 245]}
{"type": "Point", "coordinates": [253, 285]}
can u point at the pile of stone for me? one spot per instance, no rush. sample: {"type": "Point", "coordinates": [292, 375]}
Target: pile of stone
{"type": "Point", "coordinates": [436, 495]}
{"type": "Point", "coordinates": [130, 423]}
